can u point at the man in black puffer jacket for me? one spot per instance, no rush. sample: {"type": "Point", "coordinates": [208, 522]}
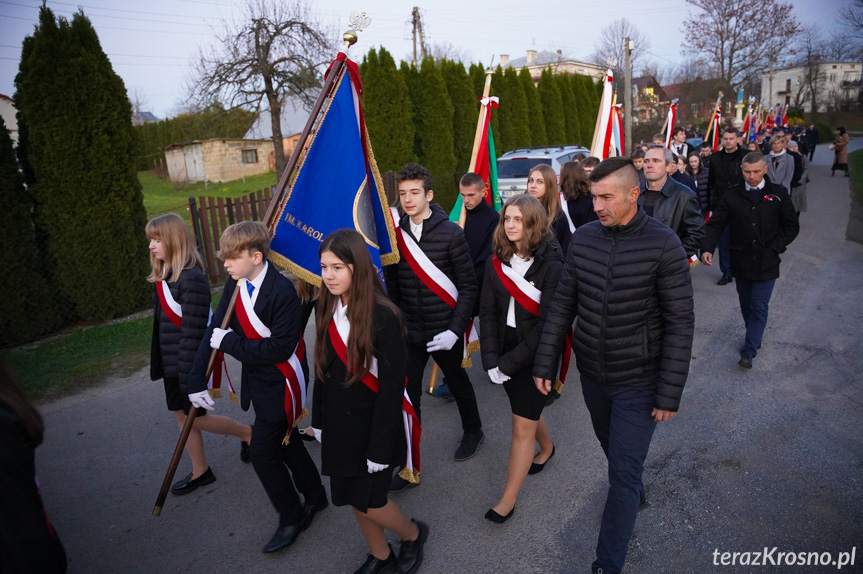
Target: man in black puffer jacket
{"type": "Point", "coordinates": [437, 302]}
{"type": "Point", "coordinates": [626, 282]}
{"type": "Point", "coordinates": [724, 166]}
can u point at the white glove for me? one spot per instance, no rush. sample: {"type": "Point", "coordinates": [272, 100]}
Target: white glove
{"type": "Point", "coordinates": [496, 376]}
{"type": "Point", "coordinates": [375, 467]}
{"type": "Point", "coordinates": [202, 400]}
{"type": "Point", "coordinates": [316, 432]}
{"type": "Point", "coordinates": [218, 335]}
{"type": "Point", "coordinates": [442, 342]}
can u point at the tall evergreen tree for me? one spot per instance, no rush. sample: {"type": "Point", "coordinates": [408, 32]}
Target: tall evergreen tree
{"type": "Point", "coordinates": [29, 309]}
{"type": "Point", "coordinates": [538, 135]}
{"type": "Point", "coordinates": [516, 109]}
{"type": "Point", "coordinates": [433, 117]}
{"type": "Point", "coordinates": [388, 111]}
{"type": "Point", "coordinates": [552, 108]}
{"type": "Point", "coordinates": [477, 78]}
{"type": "Point", "coordinates": [581, 86]}
{"type": "Point", "coordinates": [81, 150]}
{"type": "Point", "coordinates": [505, 129]}
{"type": "Point", "coordinates": [465, 112]}
{"type": "Point", "coordinates": [570, 109]}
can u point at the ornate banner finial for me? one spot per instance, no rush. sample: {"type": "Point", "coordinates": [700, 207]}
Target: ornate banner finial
{"type": "Point", "coordinates": [356, 23]}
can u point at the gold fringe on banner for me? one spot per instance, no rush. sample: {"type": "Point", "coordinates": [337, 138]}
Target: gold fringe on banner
{"type": "Point", "coordinates": [304, 414]}
{"type": "Point", "coordinates": [410, 475]}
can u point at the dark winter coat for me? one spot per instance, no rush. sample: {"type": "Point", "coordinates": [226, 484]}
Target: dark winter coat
{"type": "Point", "coordinates": [172, 350]}
{"type": "Point", "coordinates": [544, 274]}
{"type": "Point", "coordinates": [479, 225]}
{"type": "Point", "coordinates": [684, 179]}
{"type": "Point", "coordinates": [724, 171]}
{"type": "Point", "coordinates": [426, 314]}
{"type": "Point", "coordinates": [279, 308]}
{"type": "Point", "coordinates": [677, 207]}
{"type": "Point", "coordinates": [580, 211]}
{"type": "Point", "coordinates": [760, 230]}
{"type": "Point", "coordinates": [630, 292]}
{"type": "Point", "coordinates": [356, 422]}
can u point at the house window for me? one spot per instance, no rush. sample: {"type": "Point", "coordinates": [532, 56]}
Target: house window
{"type": "Point", "coordinates": [250, 156]}
{"type": "Point", "coordinates": [834, 67]}
{"type": "Point", "coordinates": [788, 85]}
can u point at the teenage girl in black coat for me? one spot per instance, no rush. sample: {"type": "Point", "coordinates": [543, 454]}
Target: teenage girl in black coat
{"type": "Point", "coordinates": [361, 430]}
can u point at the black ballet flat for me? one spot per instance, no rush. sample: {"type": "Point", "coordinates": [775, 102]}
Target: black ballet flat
{"type": "Point", "coordinates": [536, 468]}
{"type": "Point", "coordinates": [497, 518]}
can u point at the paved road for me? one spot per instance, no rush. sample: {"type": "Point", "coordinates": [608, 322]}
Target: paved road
{"type": "Point", "coordinates": [768, 457]}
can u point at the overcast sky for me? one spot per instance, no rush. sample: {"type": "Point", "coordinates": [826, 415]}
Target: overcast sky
{"type": "Point", "coordinates": [151, 43]}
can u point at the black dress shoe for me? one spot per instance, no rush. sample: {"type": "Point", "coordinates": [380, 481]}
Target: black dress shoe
{"type": "Point", "coordinates": [497, 518]}
{"type": "Point", "coordinates": [411, 551]}
{"type": "Point", "coordinates": [726, 279]}
{"type": "Point", "coordinates": [312, 508]}
{"type": "Point", "coordinates": [745, 361]}
{"type": "Point", "coordinates": [244, 451]}
{"type": "Point", "coordinates": [536, 468]}
{"type": "Point", "coordinates": [470, 442]}
{"type": "Point", "coordinates": [399, 484]}
{"type": "Point", "coordinates": [286, 535]}
{"type": "Point", "coordinates": [189, 484]}
{"type": "Point", "coordinates": [374, 565]}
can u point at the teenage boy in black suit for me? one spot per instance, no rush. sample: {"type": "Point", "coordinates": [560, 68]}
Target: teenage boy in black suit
{"type": "Point", "coordinates": [273, 311]}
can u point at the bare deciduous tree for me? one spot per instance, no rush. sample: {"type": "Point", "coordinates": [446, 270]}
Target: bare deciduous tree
{"type": "Point", "coordinates": [277, 50]}
{"type": "Point", "coordinates": [742, 37]}
{"type": "Point", "coordinates": [811, 87]}
{"type": "Point", "coordinates": [611, 44]}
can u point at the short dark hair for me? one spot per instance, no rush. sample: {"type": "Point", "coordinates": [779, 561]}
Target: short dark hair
{"type": "Point", "coordinates": [677, 130]}
{"type": "Point", "coordinates": [754, 157]}
{"type": "Point", "coordinates": [638, 153]}
{"type": "Point", "coordinates": [731, 130]}
{"type": "Point", "coordinates": [471, 179]}
{"type": "Point", "coordinates": [412, 171]}
{"type": "Point", "coordinates": [705, 144]}
{"type": "Point", "coordinates": [658, 137]}
{"type": "Point", "coordinates": [613, 165]}
{"type": "Point", "coordinates": [590, 161]}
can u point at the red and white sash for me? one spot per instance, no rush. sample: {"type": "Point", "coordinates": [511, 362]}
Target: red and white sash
{"type": "Point", "coordinates": [529, 297]}
{"type": "Point", "coordinates": [441, 285]}
{"type": "Point", "coordinates": [174, 312]}
{"type": "Point", "coordinates": [413, 431]}
{"type": "Point", "coordinates": [563, 207]}
{"type": "Point", "coordinates": [292, 369]}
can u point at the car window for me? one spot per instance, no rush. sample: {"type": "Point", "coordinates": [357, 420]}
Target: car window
{"type": "Point", "coordinates": [564, 158]}
{"type": "Point", "coordinates": [519, 167]}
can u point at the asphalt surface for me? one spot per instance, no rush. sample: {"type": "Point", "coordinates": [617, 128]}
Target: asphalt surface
{"type": "Point", "coordinates": [771, 457]}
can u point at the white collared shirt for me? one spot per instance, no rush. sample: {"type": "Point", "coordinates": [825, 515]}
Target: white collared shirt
{"type": "Point", "coordinates": [417, 229]}
{"type": "Point", "coordinates": [257, 282]}
{"type": "Point", "coordinates": [760, 186]}
{"type": "Point", "coordinates": [520, 266]}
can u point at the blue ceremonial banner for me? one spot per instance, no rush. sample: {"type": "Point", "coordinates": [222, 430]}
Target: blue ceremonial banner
{"type": "Point", "coordinates": [337, 185]}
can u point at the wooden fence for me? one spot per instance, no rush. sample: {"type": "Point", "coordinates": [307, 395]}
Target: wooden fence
{"type": "Point", "coordinates": [210, 217]}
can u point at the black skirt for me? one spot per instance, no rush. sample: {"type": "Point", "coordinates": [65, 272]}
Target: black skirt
{"type": "Point", "coordinates": [525, 400]}
{"type": "Point", "coordinates": [177, 398]}
{"type": "Point", "coordinates": [362, 492]}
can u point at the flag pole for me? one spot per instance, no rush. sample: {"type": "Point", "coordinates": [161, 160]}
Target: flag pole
{"type": "Point", "coordinates": [716, 107]}
{"type": "Point", "coordinates": [349, 39]}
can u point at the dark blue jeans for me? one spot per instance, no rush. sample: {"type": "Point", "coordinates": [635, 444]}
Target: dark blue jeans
{"type": "Point", "coordinates": [622, 421]}
{"type": "Point", "coordinates": [725, 252]}
{"type": "Point", "coordinates": [754, 301]}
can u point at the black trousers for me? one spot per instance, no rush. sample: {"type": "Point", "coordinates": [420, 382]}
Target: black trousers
{"type": "Point", "coordinates": [456, 377]}
{"type": "Point", "coordinates": [272, 461]}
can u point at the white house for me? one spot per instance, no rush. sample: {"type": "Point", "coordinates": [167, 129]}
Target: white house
{"type": "Point", "coordinates": [536, 62]}
{"type": "Point", "coordinates": [838, 84]}
{"type": "Point", "coordinates": [7, 111]}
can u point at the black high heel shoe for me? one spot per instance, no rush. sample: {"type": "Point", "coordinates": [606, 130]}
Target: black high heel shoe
{"type": "Point", "coordinates": [497, 518]}
{"type": "Point", "coordinates": [536, 468]}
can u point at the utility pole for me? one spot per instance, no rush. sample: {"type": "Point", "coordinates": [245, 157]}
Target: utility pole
{"type": "Point", "coordinates": [420, 29]}
{"type": "Point", "coordinates": [415, 19]}
{"type": "Point", "coordinates": [627, 95]}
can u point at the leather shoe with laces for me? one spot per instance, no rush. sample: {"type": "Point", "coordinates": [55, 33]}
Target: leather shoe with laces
{"type": "Point", "coordinates": [286, 535]}
{"type": "Point", "coordinates": [411, 551]}
{"type": "Point", "coordinates": [726, 279]}
{"type": "Point", "coordinates": [470, 442]}
{"type": "Point", "coordinates": [374, 565]}
{"type": "Point", "coordinates": [189, 484]}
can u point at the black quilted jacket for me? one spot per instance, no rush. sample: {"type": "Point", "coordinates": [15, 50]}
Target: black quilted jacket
{"type": "Point", "coordinates": [172, 351]}
{"type": "Point", "coordinates": [629, 290]}
{"type": "Point", "coordinates": [425, 313]}
{"type": "Point", "coordinates": [544, 274]}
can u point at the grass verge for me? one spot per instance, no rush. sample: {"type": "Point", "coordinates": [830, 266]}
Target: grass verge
{"type": "Point", "coordinates": [83, 357]}
{"type": "Point", "coordinates": [162, 196]}
{"type": "Point", "coordinates": [855, 164]}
